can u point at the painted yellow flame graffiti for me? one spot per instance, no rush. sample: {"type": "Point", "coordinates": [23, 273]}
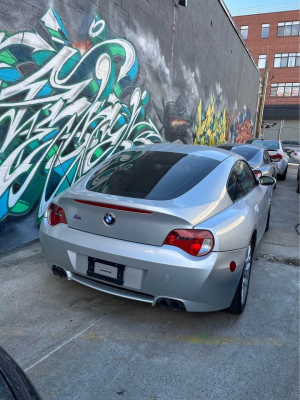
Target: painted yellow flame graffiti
{"type": "Point", "coordinates": [212, 130]}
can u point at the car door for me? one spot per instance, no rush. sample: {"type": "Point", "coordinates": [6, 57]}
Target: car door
{"type": "Point", "coordinates": [260, 196]}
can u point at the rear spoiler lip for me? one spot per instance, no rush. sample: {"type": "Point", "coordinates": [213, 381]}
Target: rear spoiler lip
{"type": "Point", "coordinates": [113, 206]}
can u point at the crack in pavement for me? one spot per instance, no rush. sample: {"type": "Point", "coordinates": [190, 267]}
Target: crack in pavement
{"type": "Point", "coordinates": [274, 259]}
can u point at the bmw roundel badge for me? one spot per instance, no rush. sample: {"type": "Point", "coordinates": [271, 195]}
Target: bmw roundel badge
{"type": "Point", "coordinates": [109, 219]}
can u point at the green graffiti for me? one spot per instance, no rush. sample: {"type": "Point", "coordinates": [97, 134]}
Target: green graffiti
{"type": "Point", "coordinates": [63, 110]}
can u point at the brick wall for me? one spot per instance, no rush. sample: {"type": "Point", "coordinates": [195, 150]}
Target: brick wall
{"type": "Point", "coordinates": [271, 46]}
{"type": "Point", "coordinates": [83, 79]}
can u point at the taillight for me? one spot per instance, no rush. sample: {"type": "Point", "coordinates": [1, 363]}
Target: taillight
{"type": "Point", "coordinates": [295, 154]}
{"type": "Point", "coordinates": [56, 215]}
{"type": "Point", "coordinates": [276, 155]}
{"type": "Point", "coordinates": [257, 173]}
{"type": "Point", "coordinates": [193, 241]}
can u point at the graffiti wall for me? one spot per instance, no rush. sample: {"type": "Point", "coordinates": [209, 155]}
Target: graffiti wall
{"type": "Point", "coordinates": [207, 128]}
{"type": "Point", "coordinates": [67, 102]}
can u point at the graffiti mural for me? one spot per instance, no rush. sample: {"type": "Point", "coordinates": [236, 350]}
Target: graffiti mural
{"type": "Point", "coordinates": [177, 124]}
{"type": "Point", "coordinates": [63, 110]}
{"type": "Point", "coordinates": [216, 128]}
{"type": "Point", "coordinates": [243, 127]}
{"type": "Point", "coordinates": [210, 128]}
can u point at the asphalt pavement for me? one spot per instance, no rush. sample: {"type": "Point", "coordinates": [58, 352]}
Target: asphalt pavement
{"type": "Point", "coordinates": [77, 343]}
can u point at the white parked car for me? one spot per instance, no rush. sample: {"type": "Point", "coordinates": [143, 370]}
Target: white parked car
{"type": "Point", "coordinates": [277, 153]}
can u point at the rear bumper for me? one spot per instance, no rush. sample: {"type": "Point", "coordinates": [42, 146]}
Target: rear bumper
{"type": "Point", "coordinates": [151, 272]}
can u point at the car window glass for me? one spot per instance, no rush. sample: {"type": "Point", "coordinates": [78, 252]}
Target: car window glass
{"type": "Point", "coordinates": [154, 175]}
{"type": "Point", "coordinates": [241, 181]}
{"type": "Point", "coordinates": [246, 177]}
{"type": "Point", "coordinates": [247, 152]}
{"type": "Point", "coordinates": [234, 188]}
{"type": "Point", "coordinates": [267, 159]}
{"type": "Point", "coordinates": [268, 144]}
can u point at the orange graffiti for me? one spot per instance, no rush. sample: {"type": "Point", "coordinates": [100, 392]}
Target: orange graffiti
{"type": "Point", "coordinates": [175, 122]}
{"type": "Point", "coordinates": [83, 46]}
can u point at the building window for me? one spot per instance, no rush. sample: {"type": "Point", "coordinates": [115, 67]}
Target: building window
{"type": "Point", "coordinates": [288, 28]}
{"type": "Point", "coordinates": [285, 90]}
{"type": "Point", "coordinates": [262, 58]}
{"type": "Point", "coordinates": [244, 32]}
{"type": "Point", "coordinates": [287, 60]}
{"type": "Point", "coordinates": [265, 31]}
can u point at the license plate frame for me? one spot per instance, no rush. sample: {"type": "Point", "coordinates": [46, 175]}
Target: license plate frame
{"type": "Point", "coordinates": [91, 271]}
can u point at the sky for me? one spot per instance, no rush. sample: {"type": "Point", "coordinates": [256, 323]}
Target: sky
{"type": "Point", "coordinates": [233, 4]}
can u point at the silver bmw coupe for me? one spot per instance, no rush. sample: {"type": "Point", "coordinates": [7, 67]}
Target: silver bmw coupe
{"type": "Point", "coordinates": [166, 224]}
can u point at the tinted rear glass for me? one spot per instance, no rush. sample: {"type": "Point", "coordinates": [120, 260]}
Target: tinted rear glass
{"type": "Point", "coordinates": [267, 144]}
{"type": "Point", "coordinates": [291, 142]}
{"type": "Point", "coordinates": [153, 175]}
{"type": "Point", "coordinates": [247, 152]}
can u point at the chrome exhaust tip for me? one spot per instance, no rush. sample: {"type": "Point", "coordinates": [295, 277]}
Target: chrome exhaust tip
{"type": "Point", "coordinates": [164, 303]}
{"type": "Point", "coordinates": [175, 305]}
{"type": "Point", "coordinates": [55, 270]}
{"type": "Point", "coordinates": [58, 271]}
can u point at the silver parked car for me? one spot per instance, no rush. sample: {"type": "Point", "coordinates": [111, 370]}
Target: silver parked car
{"type": "Point", "coordinates": [258, 158]}
{"type": "Point", "coordinates": [169, 224]}
{"type": "Point", "coordinates": [277, 152]}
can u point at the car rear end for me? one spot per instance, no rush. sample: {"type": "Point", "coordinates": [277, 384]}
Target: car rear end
{"type": "Point", "coordinates": [131, 233]}
{"type": "Point", "coordinates": [276, 152]}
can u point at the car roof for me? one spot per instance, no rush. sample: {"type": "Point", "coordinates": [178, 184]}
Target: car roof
{"type": "Point", "coordinates": [204, 151]}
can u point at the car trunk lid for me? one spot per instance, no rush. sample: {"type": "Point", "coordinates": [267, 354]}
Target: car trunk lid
{"type": "Point", "coordinates": [134, 221]}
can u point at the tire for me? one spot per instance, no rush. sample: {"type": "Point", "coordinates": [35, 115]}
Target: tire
{"type": "Point", "coordinates": [283, 177]}
{"type": "Point", "coordinates": [240, 297]}
{"type": "Point", "coordinates": [268, 221]}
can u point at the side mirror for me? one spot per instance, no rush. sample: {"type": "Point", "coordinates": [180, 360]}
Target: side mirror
{"type": "Point", "coordinates": [276, 159]}
{"type": "Point", "coordinates": [266, 180]}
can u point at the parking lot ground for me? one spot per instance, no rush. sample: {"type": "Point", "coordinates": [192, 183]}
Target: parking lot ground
{"type": "Point", "coordinates": [77, 343]}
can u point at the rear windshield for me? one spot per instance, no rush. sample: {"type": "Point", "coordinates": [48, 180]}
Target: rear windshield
{"type": "Point", "coordinates": [247, 152]}
{"type": "Point", "coordinates": [291, 142]}
{"type": "Point", "coordinates": [267, 144]}
{"type": "Point", "coordinates": [153, 175]}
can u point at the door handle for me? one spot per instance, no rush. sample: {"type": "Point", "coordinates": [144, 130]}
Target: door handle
{"type": "Point", "coordinates": [256, 208]}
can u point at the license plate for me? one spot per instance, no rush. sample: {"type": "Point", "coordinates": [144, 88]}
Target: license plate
{"type": "Point", "coordinates": [106, 271]}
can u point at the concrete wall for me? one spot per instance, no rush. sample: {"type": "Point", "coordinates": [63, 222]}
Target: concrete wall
{"type": "Point", "coordinates": [82, 79]}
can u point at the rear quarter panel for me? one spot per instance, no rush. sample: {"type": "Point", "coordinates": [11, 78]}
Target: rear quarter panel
{"type": "Point", "coordinates": [233, 227]}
